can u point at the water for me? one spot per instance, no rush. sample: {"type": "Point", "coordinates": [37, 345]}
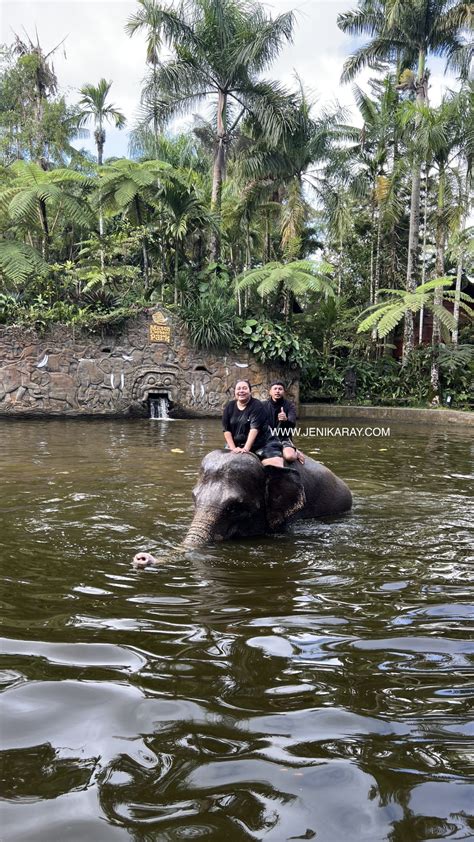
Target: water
{"type": "Point", "coordinates": [317, 685]}
{"type": "Point", "coordinates": [159, 409]}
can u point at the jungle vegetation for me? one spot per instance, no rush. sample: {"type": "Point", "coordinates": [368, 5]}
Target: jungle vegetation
{"type": "Point", "coordinates": [338, 243]}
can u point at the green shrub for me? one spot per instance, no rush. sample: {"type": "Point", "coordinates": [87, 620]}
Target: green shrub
{"type": "Point", "coordinates": [8, 308]}
{"type": "Point", "coordinates": [211, 323]}
{"type": "Point", "coordinates": [276, 342]}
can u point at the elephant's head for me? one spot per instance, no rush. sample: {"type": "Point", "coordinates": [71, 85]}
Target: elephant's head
{"type": "Point", "coordinates": [236, 496]}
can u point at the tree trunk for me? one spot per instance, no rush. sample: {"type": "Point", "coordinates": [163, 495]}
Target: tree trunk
{"type": "Point", "coordinates": [423, 254]}
{"type": "Point", "coordinates": [339, 268]}
{"type": "Point", "coordinates": [413, 236]}
{"type": "Point", "coordinates": [377, 264]}
{"type": "Point", "coordinates": [438, 294]}
{"type": "Point", "coordinates": [146, 262]}
{"type": "Point", "coordinates": [457, 296]}
{"type": "Point", "coordinates": [372, 248]}
{"type": "Point", "coordinates": [176, 270]}
{"type": "Point", "coordinates": [464, 200]}
{"type": "Point", "coordinates": [101, 234]}
{"type": "Point", "coordinates": [99, 136]}
{"type": "Point", "coordinates": [100, 141]}
{"type": "Point", "coordinates": [219, 172]}
{"type": "Point", "coordinates": [44, 225]}
{"type": "Point", "coordinates": [266, 257]}
{"type": "Point", "coordinates": [286, 304]}
{"type": "Point", "coordinates": [248, 249]}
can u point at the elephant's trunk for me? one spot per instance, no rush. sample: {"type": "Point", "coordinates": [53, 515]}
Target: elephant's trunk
{"type": "Point", "coordinates": [201, 530]}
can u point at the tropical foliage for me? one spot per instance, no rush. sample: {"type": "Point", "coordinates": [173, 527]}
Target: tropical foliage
{"type": "Point", "coordinates": [332, 241]}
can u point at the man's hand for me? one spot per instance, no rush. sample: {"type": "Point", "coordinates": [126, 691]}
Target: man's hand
{"type": "Point", "coordinates": [300, 457]}
{"type": "Point", "coordinates": [282, 416]}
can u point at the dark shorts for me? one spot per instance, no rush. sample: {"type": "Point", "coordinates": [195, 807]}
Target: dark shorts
{"type": "Point", "coordinates": [287, 443]}
{"type": "Point", "coordinates": [273, 447]}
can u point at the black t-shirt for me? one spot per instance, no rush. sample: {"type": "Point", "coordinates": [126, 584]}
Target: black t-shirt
{"type": "Point", "coordinates": [239, 422]}
{"type": "Point", "coordinates": [282, 429]}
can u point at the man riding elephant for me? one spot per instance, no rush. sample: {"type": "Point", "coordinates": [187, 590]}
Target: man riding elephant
{"type": "Point", "coordinates": [281, 418]}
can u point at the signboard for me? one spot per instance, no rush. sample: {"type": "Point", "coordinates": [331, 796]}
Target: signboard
{"type": "Point", "coordinates": [160, 333]}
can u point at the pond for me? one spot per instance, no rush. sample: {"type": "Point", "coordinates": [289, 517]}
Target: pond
{"type": "Point", "coordinates": [315, 685]}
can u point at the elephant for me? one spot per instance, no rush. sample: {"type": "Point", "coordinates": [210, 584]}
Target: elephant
{"type": "Point", "coordinates": [238, 497]}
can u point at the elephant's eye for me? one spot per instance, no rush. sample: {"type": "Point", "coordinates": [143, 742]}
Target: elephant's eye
{"type": "Point", "coordinates": [234, 507]}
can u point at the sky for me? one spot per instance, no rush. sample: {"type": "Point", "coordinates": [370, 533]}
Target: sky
{"type": "Point", "coordinates": [95, 45]}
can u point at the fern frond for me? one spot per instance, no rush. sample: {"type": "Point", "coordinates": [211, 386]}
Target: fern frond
{"type": "Point", "coordinates": [393, 317]}
{"type": "Point", "coordinates": [445, 317]}
{"type": "Point", "coordinates": [370, 321]}
{"type": "Point", "coordinates": [19, 260]}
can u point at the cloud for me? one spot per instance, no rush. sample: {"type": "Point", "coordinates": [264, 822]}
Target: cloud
{"type": "Point", "coordinates": [97, 46]}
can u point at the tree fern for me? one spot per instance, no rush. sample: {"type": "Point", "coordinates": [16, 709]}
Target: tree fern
{"type": "Point", "coordinates": [298, 277]}
{"type": "Point", "coordinates": [386, 315]}
{"type": "Point", "coordinates": [18, 261]}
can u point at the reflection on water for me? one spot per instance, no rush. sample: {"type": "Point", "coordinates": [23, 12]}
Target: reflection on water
{"type": "Point", "coordinates": [315, 685]}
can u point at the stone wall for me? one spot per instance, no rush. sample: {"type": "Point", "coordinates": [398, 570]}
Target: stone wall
{"type": "Point", "coordinates": [71, 373]}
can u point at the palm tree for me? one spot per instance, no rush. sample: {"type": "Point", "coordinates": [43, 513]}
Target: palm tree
{"type": "Point", "coordinates": [407, 33]}
{"type": "Point", "coordinates": [44, 85]}
{"type": "Point", "coordinates": [464, 235]}
{"type": "Point", "coordinates": [376, 155]}
{"type": "Point", "coordinates": [182, 212]}
{"type": "Point", "coordinates": [149, 18]}
{"type": "Point", "coordinates": [443, 138]}
{"type": "Point", "coordinates": [338, 210]}
{"type": "Point", "coordinates": [285, 172]}
{"type": "Point", "coordinates": [220, 49]}
{"type": "Point", "coordinates": [94, 106]}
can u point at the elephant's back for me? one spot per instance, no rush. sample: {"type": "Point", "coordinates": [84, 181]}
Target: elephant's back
{"type": "Point", "coordinates": [326, 493]}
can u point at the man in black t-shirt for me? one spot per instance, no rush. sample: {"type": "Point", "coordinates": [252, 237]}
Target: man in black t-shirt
{"type": "Point", "coordinates": [281, 419]}
{"type": "Point", "coordinates": [245, 427]}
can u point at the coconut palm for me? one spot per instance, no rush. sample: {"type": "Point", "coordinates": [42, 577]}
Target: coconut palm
{"type": "Point", "coordinates": [220, 49]}
{"type": "Point", "coordinates": [407, 33]}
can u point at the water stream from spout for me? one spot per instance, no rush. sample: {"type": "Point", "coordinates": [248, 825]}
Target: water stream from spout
{"type": "Point", "coordinates": [159, 409]}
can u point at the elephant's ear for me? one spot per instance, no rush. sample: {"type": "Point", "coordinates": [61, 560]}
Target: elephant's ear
{"type": "Point", "coordinates": [284, 494]}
